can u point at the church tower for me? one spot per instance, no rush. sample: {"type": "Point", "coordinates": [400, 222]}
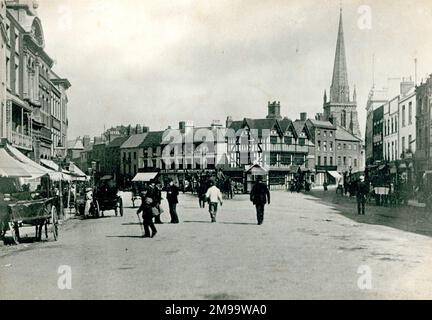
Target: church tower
{"type": "Point", "coordinates": [340, 107]}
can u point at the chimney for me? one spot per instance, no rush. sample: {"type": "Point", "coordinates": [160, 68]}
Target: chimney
{"type": "Point", "coordinates": [228, 122]}
{"type": "Point", "coordinates": [182, 126]}
{"type": "Point", "coordinates": [216, 124]}
{"type": "Point", "coordinates": [303, 116]}
{"type": "Point", "coordinates": [86, 141]}
{"type": "Point", "coordinates": [405, 86]}
{"type": "Point", "coordinates": [145, 129]}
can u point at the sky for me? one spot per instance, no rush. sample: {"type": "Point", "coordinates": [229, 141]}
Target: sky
{"type": "Point", "coordinates": [159, 62]}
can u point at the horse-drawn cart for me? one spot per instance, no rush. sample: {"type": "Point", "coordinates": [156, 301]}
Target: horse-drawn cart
{"type": "Point", "coordinates": [42, 214]}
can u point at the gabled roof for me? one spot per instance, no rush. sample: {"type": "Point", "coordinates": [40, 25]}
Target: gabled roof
{"type": "Point", "coordinates": [134, 141]}
{"type": "Point", "coordinates": [343, 134]}
{"type": "Point", "coordinates": [75, 144]}
{"type": "Point", "coordinates": [299, 125]}
{"type": "Point", "coordinates": [263, 124]}
{"type": "Point", "coordinates": [117, 142]}
{"type": "Point", "coordinates": [236, 125]}
{"type": "Point", "coordinates": [286, 124]}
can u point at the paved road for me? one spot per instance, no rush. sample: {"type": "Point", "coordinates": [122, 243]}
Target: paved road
{"type": "Point", "coordinates": [304, 249]}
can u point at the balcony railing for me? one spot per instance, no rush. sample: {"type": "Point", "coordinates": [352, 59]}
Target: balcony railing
{"type": "Point", "coordinates": [22, 140]}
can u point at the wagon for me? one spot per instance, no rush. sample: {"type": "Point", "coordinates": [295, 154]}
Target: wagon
{"type": "Point", "coordinates": [42, 214]}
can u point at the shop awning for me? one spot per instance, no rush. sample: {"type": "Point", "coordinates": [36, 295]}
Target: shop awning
{"type": "Point", "coordinates": [144, 176]}
{"type": "Point", "coordinates": [335, 174]}
{"type": "Point", "coordinates": [11, 167]}
{"type": "Point", "coordinates": [35, 169]}
{"type": "Point", "coordinates": [55, 175]}
{"type": "Point", "coordinates": [77, 172]}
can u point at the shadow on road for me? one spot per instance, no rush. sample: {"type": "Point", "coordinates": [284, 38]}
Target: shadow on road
{"type": "Point", "coordinates": [125, 236]}
{"type": "Point", "coordinates": [240, 223]}
{"type": "Point", "coordinates": [405, 218]}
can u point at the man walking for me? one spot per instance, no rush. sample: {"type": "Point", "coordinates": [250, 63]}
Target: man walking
{"type": "Point", "coordinates": [362, 191]}
{"type": "Point", "coordinates": [147, 215]}
{"type": "Point", "coordinates": [214, 196]}
{"type": "Point", "coordinates": [172, 197]}
{"type": "Point", "coordinates": [260, 195]}
{"type": "Point", "coordinates": [155, 194]}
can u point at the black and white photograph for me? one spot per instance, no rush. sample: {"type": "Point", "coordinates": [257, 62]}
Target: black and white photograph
{"type": "Point", "coordinates": [215, 150]}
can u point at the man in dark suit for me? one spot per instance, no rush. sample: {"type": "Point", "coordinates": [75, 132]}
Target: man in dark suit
{"type": "Point", "coordinates": [361, 192]}
{"type": "Point", "coordinates": [155, 194]}
{"type": "Point", "coordinates": [172, 197]}
{"type": "Point", "coordinates": [260, 195]}
{"type": "Point", "coordinates": [147, 215]}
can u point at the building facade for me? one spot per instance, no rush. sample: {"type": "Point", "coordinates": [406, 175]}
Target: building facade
{"type": "Point", "coordinates": [33, 97]}
{"type": "Point", "coordinates": [423, 154]}
{"type": "Point", "coordinates": [407, 122]}
{"type": "Point", "coordinates": [378, 136]}
{"type": "Point", "coordinates": [391, 130]}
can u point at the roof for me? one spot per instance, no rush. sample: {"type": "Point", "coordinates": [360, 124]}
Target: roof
{"type": "Point", "coordinates": [236, 125]}
{"type": "Point", "coordinates": [152, 139]}
{"type": "Point", "coordinates": [134, 141]}
{"type": "Point", "coordinates": [343, 134]}
{"type": "Point", "coordinates": [117, 142]}
{"type": "Point", "coordinates": [322, 124]}
{"type": "Point", "coordinates": [75, 144]}
{"type": "Point", "coordinates": [10, 166]}
{"type": "Point", "coordinates": [299, 125]}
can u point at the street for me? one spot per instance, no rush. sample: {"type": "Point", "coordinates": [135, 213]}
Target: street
{"type": "Point", "coordinates": [306, 249]}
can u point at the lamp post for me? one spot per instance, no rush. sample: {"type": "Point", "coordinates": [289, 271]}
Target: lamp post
{"type": "Point", "coordinates": [60, 156]}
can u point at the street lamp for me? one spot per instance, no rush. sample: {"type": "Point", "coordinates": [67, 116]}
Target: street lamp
{"type": "Point", "coordinates": [60, 157]}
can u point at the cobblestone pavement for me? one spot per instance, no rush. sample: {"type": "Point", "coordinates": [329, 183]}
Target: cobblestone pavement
{"type": "Point", "coordinates": [307, 248]}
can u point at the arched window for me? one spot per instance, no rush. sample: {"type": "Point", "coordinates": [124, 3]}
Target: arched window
{"type": "Point", "coordinates": [343, 119]}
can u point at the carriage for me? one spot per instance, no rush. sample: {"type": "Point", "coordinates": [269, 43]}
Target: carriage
{"type": "Point", "coordinates": [40, 213]}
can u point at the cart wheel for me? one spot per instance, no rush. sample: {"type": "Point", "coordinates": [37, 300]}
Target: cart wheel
{"type": "Point", "coordinates": [120, 204]}
{"type": "Point", "coordinates": [13, 226]}
{"type": "Point", "coordinates": [54, 223]}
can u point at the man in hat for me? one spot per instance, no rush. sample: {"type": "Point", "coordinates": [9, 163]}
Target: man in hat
{"type": "Point", "coordinates": [260, 195]}
{"type": "Point", "coordinates": [172, 197]}
{"type": "Point", "coordinates": [214, 197]}
{"type": "Point", "coordinates": [147, 215]}
{"type": "Point", "coordinates": [155, 194]}
{"type": "Point", "coordinates": [362, 191]}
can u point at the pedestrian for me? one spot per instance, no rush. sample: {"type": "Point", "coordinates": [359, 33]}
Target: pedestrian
{"type": "Point", "coordinates": [214, 197]}
{"type": "Point", "coordinates": [172, 197]}
{"type": "Point", "coordinates": [155, 194]}
{"type": "Point", "coordinates": [88, 201]}
{"type": "Point", "coordinates": [260, 195]}
{"type": "Point", "coordinates": [146, 208]}
{"type": "Point", "coordinates": [361, 192]}
{"type": "Point", "coordinates": [202, 194]}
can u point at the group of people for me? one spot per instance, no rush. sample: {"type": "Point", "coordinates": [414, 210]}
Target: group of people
{"type": "Point", "coordinates": [151, 198]}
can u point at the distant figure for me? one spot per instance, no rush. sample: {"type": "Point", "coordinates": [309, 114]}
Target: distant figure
{"type": "Point", "coordinates": [260, 195]}
{"type": "Point", "coordinates": [202, 194]}
{"type": "Point", "coordinates": [88, 201]}
{"type": "Point", "coordinates": [362, 191]}
{"type": "Point", "coordinates": [172, 197]}
{"type": "Point", "coordinates": [214, 197]}
{"type": "Point", "coordinates": [147, 214]}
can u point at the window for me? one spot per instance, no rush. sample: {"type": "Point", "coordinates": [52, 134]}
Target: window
{"type": "Point", "coordinates": [355, 147]}
{"type": "Point", "coordinates": [16, 82]}
{"type": "Point", "coordinates": [344, 146]}
{"type": "Point", "coordinates": [319, 160]}
{"type": "Point", "coordinates": [331, 145]}
{"type": "Point", "coordinates": [302, 141]}
{"type": "Point", "coordinates": [331, 161]}
{"type": "Point", "coordinates": [325, 133]}
{"type": "Point", "coordinates": [410, 113]}
{"type": "Point", "coordinates": [403, 116]}
{"type": "Point", "coordinates": [319, 145]}
{"type": "Point", "coordinates": [344, 161]}
{"type": "Point", "coordinates": [388, 126]}
{"type": "Point", "coordinates": [325, 161]}
{"type": "Point", "coordinates": [286, 159]}
{"type": "Point", "coordinates": [339, 160]}
{"type": "Point", "coordinates": [273, 159]}
{"type": "Point", "coordinates": [349, 146]}
{"type": "Point", "coordinates": [8, 72]}
{"type": "Point", "coordinates": [135, 155]}
{"type": "Point", "coordinates": [318, 132]}
{"type": "Point", "coordinates": [339, 146]}
{"type": "Point", "coordinates": [325, 146]}
{"type": "Point", "coordinates": [343, 119]}
{"type": "Point", "coordinates": [273, 139]}
{"type": "Point", "coordinates": [288, 140]}
{"type": "Point", "coordinates": [409, 141]}
{"type": "Point", "coordinates": [331, 134]}
{"type": "Point", "coordinates": [355, 162]}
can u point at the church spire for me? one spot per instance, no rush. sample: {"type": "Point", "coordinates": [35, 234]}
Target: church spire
{"type": "Point", "coordinates": [339, 90]}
